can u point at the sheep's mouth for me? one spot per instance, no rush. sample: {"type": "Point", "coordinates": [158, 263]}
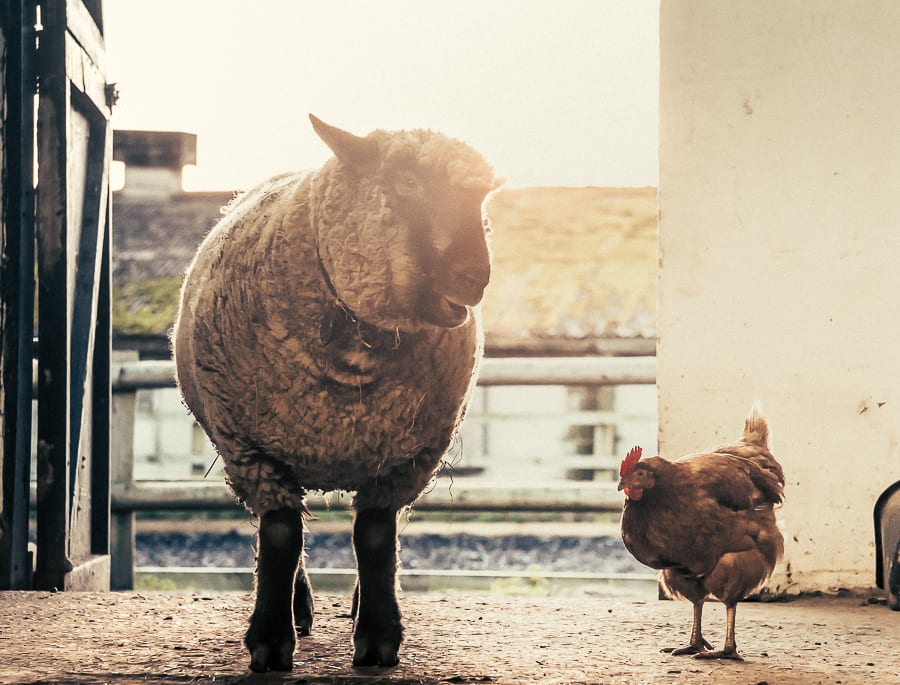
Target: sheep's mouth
{"type": "Point", "coordinates": [456, 314]}
{"type": "Point", "coordinates": [443, 311]}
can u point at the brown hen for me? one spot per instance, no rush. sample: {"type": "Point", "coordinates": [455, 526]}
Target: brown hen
{"type": "Point", "coordinates": [707, 522]}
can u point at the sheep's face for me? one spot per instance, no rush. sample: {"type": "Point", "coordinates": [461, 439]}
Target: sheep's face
{"type": "Point", "coordinates": [444, 262]}
{"type": "Point", "coordinates": [413, 244]}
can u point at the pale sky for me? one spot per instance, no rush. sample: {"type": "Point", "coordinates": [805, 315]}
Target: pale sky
{"type": "Point", "coordinates": [551, 92]}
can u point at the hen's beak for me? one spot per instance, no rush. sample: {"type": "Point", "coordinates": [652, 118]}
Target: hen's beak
{"type": "Point", "coordinates": [622, 485]}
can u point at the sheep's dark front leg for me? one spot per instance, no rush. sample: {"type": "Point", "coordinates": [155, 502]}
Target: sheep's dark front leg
{"type": "Point", "coordinates": [377, 630]}
{"type": "Point", "coordinates": [271, 636]}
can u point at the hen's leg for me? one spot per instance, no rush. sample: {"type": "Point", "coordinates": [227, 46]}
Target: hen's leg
{"type": "Point", "coordinates": [377, 629]}
{"type": "Point", "coordinates": [271, 636]}
{"type": "Point", "coordinates": [697, 644]}
{"type": "Point", "coordinates": [730, 650]}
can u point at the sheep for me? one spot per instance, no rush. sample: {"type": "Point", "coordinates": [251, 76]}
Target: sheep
{"type": "Point", "coordinates": [328, 338]}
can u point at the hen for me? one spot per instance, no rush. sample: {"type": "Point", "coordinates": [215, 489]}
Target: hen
{"type": "Point", "coordinates": [707, 522]}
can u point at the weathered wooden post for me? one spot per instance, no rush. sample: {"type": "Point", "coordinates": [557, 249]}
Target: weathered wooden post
{"type": "Point", "coordinates": [122, 415]}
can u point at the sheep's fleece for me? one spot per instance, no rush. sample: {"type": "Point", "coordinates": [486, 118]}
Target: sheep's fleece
{"type": "Point", "coordinates": [294, 349]}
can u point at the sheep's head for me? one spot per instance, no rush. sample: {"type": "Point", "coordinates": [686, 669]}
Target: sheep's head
{"type": "Point", "coordinates": [400, 227]}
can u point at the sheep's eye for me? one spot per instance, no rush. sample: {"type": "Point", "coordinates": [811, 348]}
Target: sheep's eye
{"type": "Point", "coordinates": [409, 186]}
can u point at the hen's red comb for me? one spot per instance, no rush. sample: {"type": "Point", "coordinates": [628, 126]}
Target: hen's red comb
{"type": "Point", "coordinates": [630, 460]}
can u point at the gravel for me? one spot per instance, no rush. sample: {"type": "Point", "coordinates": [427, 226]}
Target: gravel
{"type": "Point", "coordinates": [429, 551]}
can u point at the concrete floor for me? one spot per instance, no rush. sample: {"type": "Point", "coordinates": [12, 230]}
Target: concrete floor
{"type": "Point", "coordinates": [450, 638]}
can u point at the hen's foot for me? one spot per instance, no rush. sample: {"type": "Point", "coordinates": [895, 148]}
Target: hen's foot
{"type": "Point", "coordinates": [723, 654]}
{"type": "Point", "coordinates": [694, 648]}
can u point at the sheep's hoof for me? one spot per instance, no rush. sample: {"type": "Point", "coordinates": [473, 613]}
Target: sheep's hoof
{"type": "Point", "coordinates": [270, 649]}
{"type": "Point", "coordinates": [384, 654]}
{"type": "Point", "coordinates": [377, 645]}
{"type": "Point", "coordinates": [263, 659]}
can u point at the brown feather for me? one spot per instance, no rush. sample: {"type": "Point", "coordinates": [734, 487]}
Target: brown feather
{"type": "Point", "coordinates": [708, 522]}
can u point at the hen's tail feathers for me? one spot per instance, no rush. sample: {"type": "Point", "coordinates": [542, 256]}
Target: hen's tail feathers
{"type": "Point", "coordinates": [770, 476]}
{"type": "Point", "coordinates": [756, 430]}
{"type": "Point", "coordinates": [765, 471]}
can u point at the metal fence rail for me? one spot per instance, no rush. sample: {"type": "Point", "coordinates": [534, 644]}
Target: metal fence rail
{"type": "Point", "coordinates": [468, 494]}
{"type": "Point", "coordinates": [136, 375]}
{"type": "Point", "coordinates": [416, 580]}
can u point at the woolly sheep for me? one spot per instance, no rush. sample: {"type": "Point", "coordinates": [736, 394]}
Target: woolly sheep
{"type": "Point", "coordinates": [328, 338]}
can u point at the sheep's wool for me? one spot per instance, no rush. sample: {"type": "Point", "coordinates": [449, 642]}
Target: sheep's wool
{"type": "Point", "coordinates": [296, 352]}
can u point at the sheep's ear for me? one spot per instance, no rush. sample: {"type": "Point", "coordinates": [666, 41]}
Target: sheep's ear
{"type": "Point", "coordinates": [360, 154]}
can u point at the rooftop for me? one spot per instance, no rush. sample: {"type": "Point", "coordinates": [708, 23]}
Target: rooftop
{"type": "Point", "coordinates": [574, 268]}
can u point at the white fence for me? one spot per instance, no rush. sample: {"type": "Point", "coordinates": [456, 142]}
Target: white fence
{"type": "Point", "coordinates": [542, 434]}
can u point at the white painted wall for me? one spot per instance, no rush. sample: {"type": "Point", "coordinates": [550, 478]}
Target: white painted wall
{"type": "Point", "coordinates": [780, 255]}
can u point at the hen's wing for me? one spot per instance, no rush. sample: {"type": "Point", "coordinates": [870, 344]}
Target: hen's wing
{"type": "Point", "coordinates": [761, 467]}
{"type": "Point", "coordinates": [736, 476]}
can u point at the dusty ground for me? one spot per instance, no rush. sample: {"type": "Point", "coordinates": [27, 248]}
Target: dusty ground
{"type": "Point", "coordinates": [196, 638]}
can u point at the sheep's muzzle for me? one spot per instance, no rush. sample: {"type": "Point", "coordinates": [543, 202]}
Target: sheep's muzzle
{"type": "Point", "coordinates": [447, 305]}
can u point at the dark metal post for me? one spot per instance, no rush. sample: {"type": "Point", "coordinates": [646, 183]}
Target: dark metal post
{"type": "Point", "coordinates": [17, 299]}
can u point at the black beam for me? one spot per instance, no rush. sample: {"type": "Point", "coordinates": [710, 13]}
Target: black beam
{"type": "Point", "coordinates": [53, 304]}
{"type": "Point", "coordinates": [17, 271]}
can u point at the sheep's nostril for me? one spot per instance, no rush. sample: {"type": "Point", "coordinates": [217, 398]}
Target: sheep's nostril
{"type": "Point", "coordinates": [474, 280]}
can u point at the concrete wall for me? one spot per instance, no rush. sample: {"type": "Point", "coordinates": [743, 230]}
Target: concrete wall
{"type": "Point", "coordinates": [780, 256]}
